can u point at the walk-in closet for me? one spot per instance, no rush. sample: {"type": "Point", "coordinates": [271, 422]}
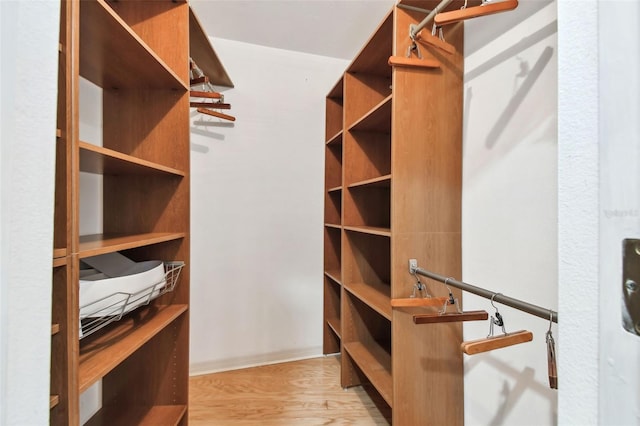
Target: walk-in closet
{"type": "Point", "coordinates": [314, 212]}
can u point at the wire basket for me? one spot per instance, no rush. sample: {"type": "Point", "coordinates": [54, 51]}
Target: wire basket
{"type": "Point", "coordinates": [108, 309]}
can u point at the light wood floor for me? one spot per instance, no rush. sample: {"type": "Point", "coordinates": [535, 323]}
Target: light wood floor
{"type": "Point", "coordinates": [304, 392]}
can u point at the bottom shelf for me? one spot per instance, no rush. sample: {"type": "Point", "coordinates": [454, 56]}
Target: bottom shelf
{"type": "Point", "coordinates": [375, 363]}
{"type": "Point", "coordinates": [159, 415]}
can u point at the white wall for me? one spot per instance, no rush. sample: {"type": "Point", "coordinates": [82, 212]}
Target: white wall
{"type": "Point", "coordinates": [578, 183]}
{"type": "Point", "coordinates": [509, 210]}
{"type": "Point", "coordinates": [256, 211]}
{"type": "Point", "coordinates": [28, 86]}
{"type": "Point", "coordinates": [619, 213]}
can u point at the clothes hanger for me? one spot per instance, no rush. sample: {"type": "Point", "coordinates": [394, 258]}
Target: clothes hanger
{"type": "Point", "coordinates": [486, 8]}
{"type": "Point", "coordinates": [492, 342]}
{"type": "Point", "coordinates": [419, 297]}
{"type": "Point", "coordinates": [214, 105]}
{"type": "Point", "coordinates": [435, 41]}
{"type": "Point", "coordinates": [208, 95]}
{"type": "Point", "coordinates": [215, 114]}
{"type": "Point", "coordinates": [551, 356]}
{"type": "Point", "coordinates": [410, 61]}
{"type": "Point", "coordinates": [444, 316]}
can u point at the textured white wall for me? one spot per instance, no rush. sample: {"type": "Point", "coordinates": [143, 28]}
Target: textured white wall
{"type": "Point", "coordinates": [578, 206]}
{"type": "Point", "coordinates": [256, 211]}
{"type": "Point", "coordinates": [28, 84]}
{"type": "Point", "coordinates": [509, 233]}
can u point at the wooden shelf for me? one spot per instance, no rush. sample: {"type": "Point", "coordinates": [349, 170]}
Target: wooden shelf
{"type": "Point", "coordinates": [333, 225]}
{"type": "Point", "coordinates": [334, 274]}
{"type": "Point", "coordinates": [165, 415]}
{"type": "Point", "coordinates": [335, 139]}
{"type": "Point", "coordinates": [203, 54]}
{"type": "Point", "coordinates": [378, 182]}
{"type": "Point", "coordinates": [335, 189]}
{"type": "Point", "coordinates": [377, 296]}
{"type": "Point", "coordinates": [337, 90]}
{"type": "Point", "coordinates": [375, 363]}
{"type": "Point", "coordinates": [53, 401]}
{"type": "Point", "coordinates": [378, 119]}
{"type": "Point", "coordinates": [334, 324]}
{"type": "Point", "coordinates": [93, 245]}
{"type": "Point", "coordinates": [59, 252]}
{"type": "Point", "coordinates": [59, 261]}
{"type": "Point", "coordinates": [55, 329]}
{"type": "Point", "coordinates": [103, 351]}
{"type": "Point", "coordinates": [374, 56]}
{"type": "Point", "coordinates": [113, 56]}
{"type": "Point", "coordinates": [99, 160]}
{"type": "Point", "coordinates": [372, 230]}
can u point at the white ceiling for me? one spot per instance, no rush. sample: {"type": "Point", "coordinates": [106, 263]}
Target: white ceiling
{"type": "Point", "coordinates": [335, 28]}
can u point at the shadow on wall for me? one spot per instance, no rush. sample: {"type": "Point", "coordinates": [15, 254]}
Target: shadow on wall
{"type": "Point", "coordinates": [509, 396]}
{"type": "Point", "coordinates": [530, 78]}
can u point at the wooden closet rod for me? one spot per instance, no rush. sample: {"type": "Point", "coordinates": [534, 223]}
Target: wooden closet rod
{"type": "Point", "coordinates": [487, 294]}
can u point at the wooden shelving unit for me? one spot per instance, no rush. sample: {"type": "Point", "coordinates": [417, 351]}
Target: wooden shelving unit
{"type": "Point", "coordinates": [393, 180]}
{"type": "Point", "coordinates": [137, 52]}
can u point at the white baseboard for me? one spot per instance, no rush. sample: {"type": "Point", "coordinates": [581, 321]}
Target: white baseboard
{"type": "Point", "coordinates": [208, 367]}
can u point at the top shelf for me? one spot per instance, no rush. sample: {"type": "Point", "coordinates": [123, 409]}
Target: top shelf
{"type": "Point", "coordinates": [203, 54]}
{"type": "Point", "coordinates": [374, 56]}
{"type": "Point", "coordinates": [113, 56]}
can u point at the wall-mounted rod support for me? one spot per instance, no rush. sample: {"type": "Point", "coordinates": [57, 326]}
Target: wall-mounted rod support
{"type": "Point", "coordinates": [415, 29]}
{"type": "Point", "coordinates": [497, 297]}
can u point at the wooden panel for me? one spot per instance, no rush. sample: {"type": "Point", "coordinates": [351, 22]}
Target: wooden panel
{"type": "Point", "coordinates": [103, 351]}
{"type": "Point", "coordinates": [150, 21]}
{"type": "Point", "coordinates": [373, 57]}
{"type": "Point", "coordinates": [368, 206]}
{"type": "Point", "coordinates": [367, 155]}
{"type": "Point", "coordinates": [155, 374]}
{"type": "Point", "coordinates": [151, 125]}
{"type": "Point", "coordinates": [113, 56]}
{"type": "Point", "coordinates": [332, 249]}
{"type": "Point", "coordinates": [379, 182]}
{"type": "Point", "coordinates": [96, 159]}
{"type": "Point", "coordinates": [426, 198]}
{"type": "Point", "coordinates": [374, 295]}
{"type": "Point", "coordinates": [334, 274]}
{"type": "Point", "coordinates": [363, 328]}
{"type": "Point", "coordinates": [333, 207]}
{"type": "Point", "coordinates": [334, 112]}
{"type": "Point", "coordinates": [204, 55]}
{"type": "Point", "coordinates": [333, 165]}
{"type": "Point", "coordinates": [378, 119]}
{"type": "Point", "coordinates": [369, 230]}
{"type": "Point", "coordinates": [331, 334]}
{"type": "Point", "coordinates": [427, 181]}
{"type": "Point", "coordinates": [64, 345]}
{"type": "Point", "coordinates": [165, 415]}
{"type": "Point", "coordinates": [362, 93]}
{"type": "Point", "coordinates": [375, 362]}
{"type": "Point", "coordinates": [93, 245]}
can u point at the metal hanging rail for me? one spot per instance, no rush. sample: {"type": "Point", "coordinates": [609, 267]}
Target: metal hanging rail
{"type": "Point", "coordinates": [415, 29]}
{"type": "Point", "coordinates": [497, 297]}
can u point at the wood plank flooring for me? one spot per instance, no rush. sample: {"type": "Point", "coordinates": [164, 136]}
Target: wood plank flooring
{"type": "Point", "coordinates": [304, 392]}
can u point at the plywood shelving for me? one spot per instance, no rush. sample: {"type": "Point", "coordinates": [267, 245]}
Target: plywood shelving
{"type": "Point", "coordinates": [137, 53]}
{"type": "Point", "coordinates": [399, 197]}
